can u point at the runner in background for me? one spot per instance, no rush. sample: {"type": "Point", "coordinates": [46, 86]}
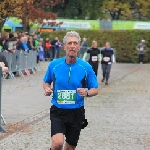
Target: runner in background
{"type": "Point", "coordinates": [107, 55]}
{"type": "Point", "coordinates": [141, 48]}
{"type": "Point", "coordinates": [94, 54]}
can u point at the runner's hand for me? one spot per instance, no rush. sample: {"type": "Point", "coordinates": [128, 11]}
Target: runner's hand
{"type": "Point", "coordinates": [48, 91]}
{"type": "Point", "coordinates": [5, 69]}
{"type": "Point", "coordinates": [82, 91]}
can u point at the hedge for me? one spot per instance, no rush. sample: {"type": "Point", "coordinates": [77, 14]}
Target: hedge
{"type": "Point", "coordinates": [124, 41]}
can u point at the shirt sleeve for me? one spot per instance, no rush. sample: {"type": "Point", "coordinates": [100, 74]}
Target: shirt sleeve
{"type": "Point", "coordinates": [91, 79]}
{"type": "Point", "coordinates": [84, 56]}
{"type": "Point", "coordinates": [88, 51]}
{"type": "Point", "coordinates": [138, 46]}
{"type": "Point", "coordinates": [145, 47]}
{"type": "Point", "coordinates": [48, 77]}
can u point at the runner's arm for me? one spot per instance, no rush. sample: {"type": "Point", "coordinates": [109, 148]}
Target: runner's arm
{"type": "Point", "coordinates": [99, 57]}
{"type": "Point", "coordinates": [87, 93]}
{"type": "Point", "coordinates": [84, 56]}
{"type": "Point", "coordinates": [92, 92]}
{"type": "Point", "coordinates": [47, 88]}
{"type": "Point", "coordinates": [113, 58]}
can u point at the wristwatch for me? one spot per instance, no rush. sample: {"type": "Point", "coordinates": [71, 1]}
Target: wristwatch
{"type": "Point", "coordinates": [87, 94]}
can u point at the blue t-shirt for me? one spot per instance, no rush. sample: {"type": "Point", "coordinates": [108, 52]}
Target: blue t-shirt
{"type": "Point", "coordinates": [70, 77]}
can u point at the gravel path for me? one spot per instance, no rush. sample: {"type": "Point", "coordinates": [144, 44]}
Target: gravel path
{"type": "Point", "coordinates": [118, 117]}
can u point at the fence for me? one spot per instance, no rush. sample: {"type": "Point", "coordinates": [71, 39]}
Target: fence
{"type": "Point", "coordinates": [21, 62]}
{"type": "Point", "coordinates": [106, 25]}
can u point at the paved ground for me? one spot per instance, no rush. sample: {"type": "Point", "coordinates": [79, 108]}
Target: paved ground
{"type": "Point", "coordinates": [118, 117]}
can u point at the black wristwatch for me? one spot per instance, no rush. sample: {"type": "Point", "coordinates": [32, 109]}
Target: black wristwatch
{"type": "Point", "coordinates": [87, 94]}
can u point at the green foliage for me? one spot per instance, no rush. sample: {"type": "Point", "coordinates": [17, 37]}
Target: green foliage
{"type": "Point", "coordinates": [121, 9]}
{"type": "Point", "coordinates": [80, 9]}
{"type": "Point", "coordinates": [124, 42]}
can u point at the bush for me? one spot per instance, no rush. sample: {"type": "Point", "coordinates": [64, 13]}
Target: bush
{"type": "Point", "coordinates": [124, 41]}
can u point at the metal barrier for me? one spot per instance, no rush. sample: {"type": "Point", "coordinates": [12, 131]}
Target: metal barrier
{"type": "Point", "coordinates": [21, 61]}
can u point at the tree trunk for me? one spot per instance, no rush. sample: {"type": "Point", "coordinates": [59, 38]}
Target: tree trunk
{"type": "Point", "coordinates": [1, 25]}
{"type": "Point", "coordinates": [24, 24]}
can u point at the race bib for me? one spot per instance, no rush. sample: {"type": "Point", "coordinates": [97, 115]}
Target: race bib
{"type": "Point", "coordinates": [66, 96]}
{"type": "Point", "coordinates": [106, 59]}
{"type": "Point", "coordinates": [94, 58]}
{"type": "Point", "coordinates": [141, 48]}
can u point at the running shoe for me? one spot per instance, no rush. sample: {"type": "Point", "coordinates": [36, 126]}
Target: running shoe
{"type": "Point", "coordinates": [103, 80]}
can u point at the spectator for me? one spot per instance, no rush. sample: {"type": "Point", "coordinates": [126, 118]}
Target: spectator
{"type": "Point", "coordinates": [41, 51]}
{"type": "Point", "coordinates": [83, 48]}
{"type": "Point", "coordinates": [58, 45]}
{"type": "Point", "coordinates": [24, 43]}
{"type": "Point", "coordinates": [19, 43]}
{"type": "Point", "coordinates": [39, 35]}
{"type": "Point", "coordinates": [84, 43]}
{"type": "Point", "coordinates": [11, 45]}
{"type": "Point", "coordinates": [2, 41]}
{"type": "Point", "coordinates": [53, 46]}
{"type": "Point", "coordinates": [35, 46]}
{"type": "Point", "coordinates": [47, 50]}
{"type": "Point", "coordinates": [3, 63]}
{"type": "Point", "coordinates": [30, 43]}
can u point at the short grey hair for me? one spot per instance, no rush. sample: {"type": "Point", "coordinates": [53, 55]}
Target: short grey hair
{"type": "Point", "coordinates": [72, 34]}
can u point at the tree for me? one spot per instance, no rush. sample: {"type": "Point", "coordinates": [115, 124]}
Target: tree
{"type": "Point", "coordinates": [7, 9]}
{"type": "Point", "coordinates": [34, 11]}
{"type": "Point", "coordinates": [28, 10]}
{"type": "Point", "coordinates": [78, 9]}
{"type": "Point", "coordinates": [121, 9]}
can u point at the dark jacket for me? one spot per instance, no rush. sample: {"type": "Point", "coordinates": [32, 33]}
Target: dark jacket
{"type": "Point", "coordinates": [19, 45]}
{"type": "Point", "coordinates": [3, 59]}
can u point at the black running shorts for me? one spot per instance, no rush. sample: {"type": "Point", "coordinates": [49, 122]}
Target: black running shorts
{"type": "Point", "coordinates": [68, 122]}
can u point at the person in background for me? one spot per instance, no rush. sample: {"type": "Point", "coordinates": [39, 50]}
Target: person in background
{"type": "Point", "coordinates": [35, 46]}
{"type": "Point", "coordinates": [41, 51]}
{"type": "Point", "coordinates": [4, 65]}
{"type": "Point", "coordinates": [47, 49]}
{"type": "Point", "coordinates": [53, 46]}
{"type": "Point", "coordinates": [84, 46]}
{"type": "Point", "coordinates": [107, 55]}
{"type": "Point", "coordinates": [39, 35]}
{"type": "Point", "coordinates": [30, 43]}
{"type": "Point", "coordinates": [2, 41]}
{"type": "Point", "coordinates": [141, 48]}
{"type": "Point", "coordinates": [11, 45]}
{"type": "Point", "coordinates": [84, 43]}
{"type": "Point", "coordinates": [58, 45]}
{"type": "Point", "coordinates": [19, 44]}
{"type": "Point", "coordinates": [94, 54]}
{"type": "Point", "coordinates": [24, 44]}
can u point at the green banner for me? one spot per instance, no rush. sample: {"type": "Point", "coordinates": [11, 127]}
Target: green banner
{"type": "Point", "coordinates": [130, 25]}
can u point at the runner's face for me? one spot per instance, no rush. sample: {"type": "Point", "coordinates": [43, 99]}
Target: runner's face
{"type": "Point", "coordinates": [94, 45]}
{"type": "Point", "coordinates": [72, 46]}
{"type": "Point", "coordinates": [107, 46]}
